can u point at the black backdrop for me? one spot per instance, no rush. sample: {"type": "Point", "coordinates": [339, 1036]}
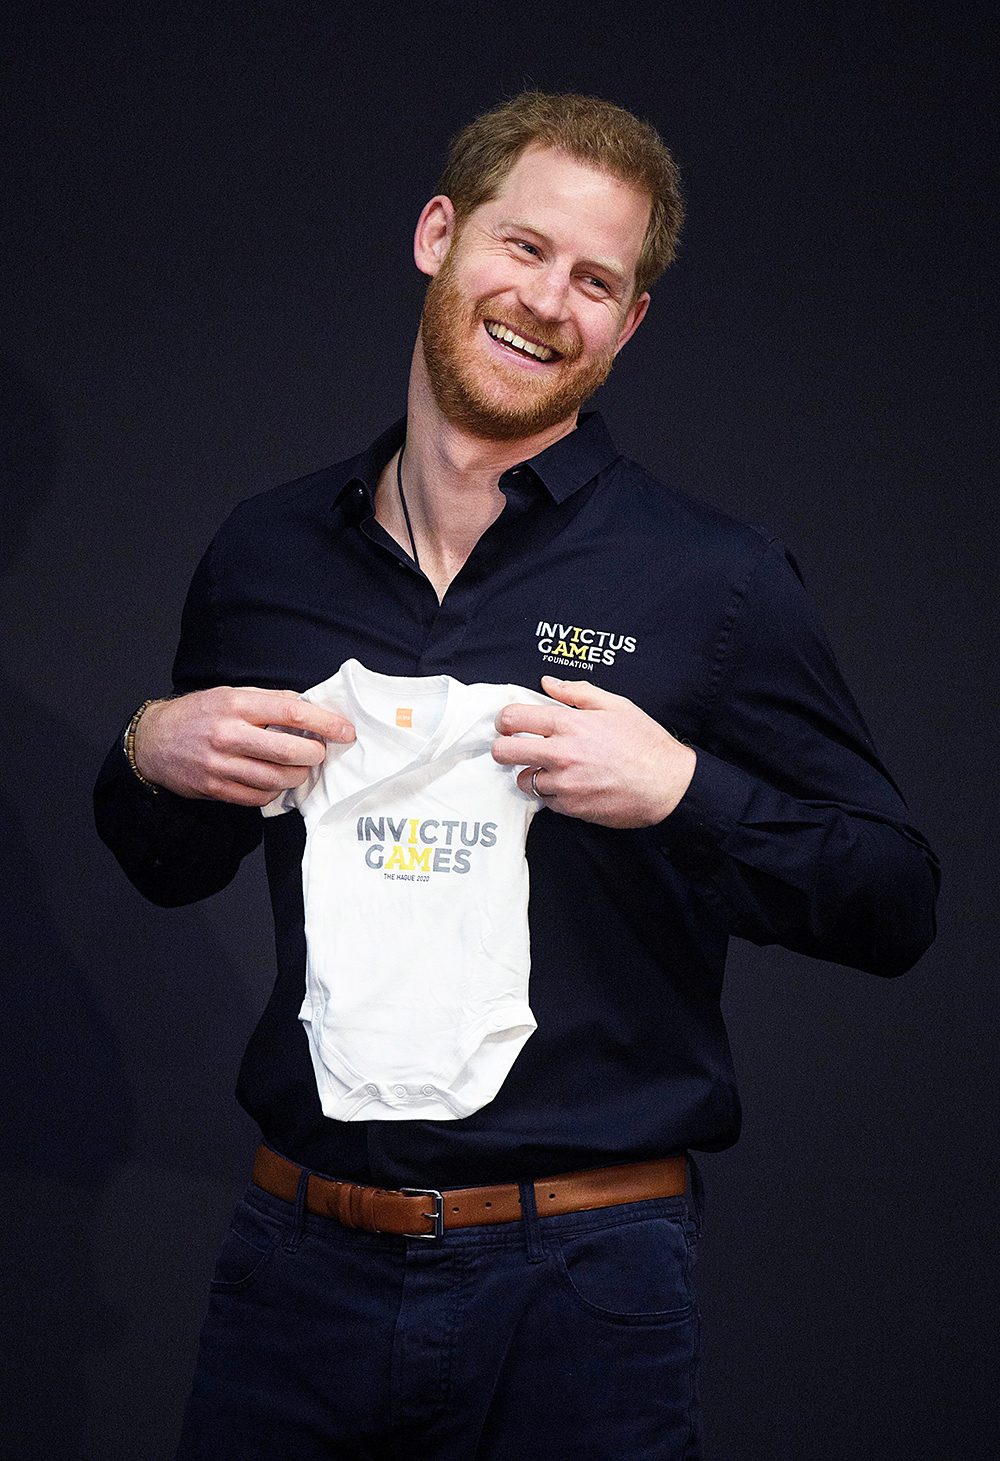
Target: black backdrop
{"type": "Point", "coordinates": [206, 218]}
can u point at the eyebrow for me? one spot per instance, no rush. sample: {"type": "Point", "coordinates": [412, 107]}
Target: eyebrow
{"type": "Point", "coordinates": [605, 266]}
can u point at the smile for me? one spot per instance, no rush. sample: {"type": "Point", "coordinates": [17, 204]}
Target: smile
{"type": "Point", "coordinates": [513, 341]}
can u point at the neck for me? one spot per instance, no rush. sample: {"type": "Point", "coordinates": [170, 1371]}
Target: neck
{"type": "Point", "coordinates": [450, 479]}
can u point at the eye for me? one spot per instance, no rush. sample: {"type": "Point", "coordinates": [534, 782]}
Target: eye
{"type": "Point", "coordinates": [528, 248]}
{"type": "Point", "coordinates": [596, 283]}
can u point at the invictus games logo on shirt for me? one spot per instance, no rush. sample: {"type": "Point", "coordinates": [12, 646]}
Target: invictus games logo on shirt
{"type": "Point", "coordinates": [571, 646]}
{"type": "Point", "coordinates": [421, 847]}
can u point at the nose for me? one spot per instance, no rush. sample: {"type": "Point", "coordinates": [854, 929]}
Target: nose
{"type": "Point", "coordinates": [544, 293]}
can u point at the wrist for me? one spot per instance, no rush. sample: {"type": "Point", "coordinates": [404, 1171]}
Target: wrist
{"type": "Point", "coordinates": [682, 765]}
{"type": "Point", "coordinates": [132, 740]}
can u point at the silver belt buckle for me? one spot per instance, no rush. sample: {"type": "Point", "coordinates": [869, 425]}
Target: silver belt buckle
{"type": "Point", "coordinates": [437, 1216]}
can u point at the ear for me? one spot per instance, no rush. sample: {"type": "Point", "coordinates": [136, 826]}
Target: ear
{"type": "Point", "coordinates": [434, 232]}
{"type": "Point", "coordinates": [632, 320]}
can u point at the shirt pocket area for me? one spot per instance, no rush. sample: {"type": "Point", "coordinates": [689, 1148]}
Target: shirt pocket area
{"type": "Point", "coordinates": [638, 1271]}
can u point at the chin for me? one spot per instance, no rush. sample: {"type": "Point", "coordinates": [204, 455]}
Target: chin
{"type": "Point", "coordinates": [503, 412]}
{"type": "Point", "coordinates": [498, 420]}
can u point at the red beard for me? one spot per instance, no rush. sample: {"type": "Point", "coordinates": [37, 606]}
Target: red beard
{"type": "Point", "coordinates": [506, 408]}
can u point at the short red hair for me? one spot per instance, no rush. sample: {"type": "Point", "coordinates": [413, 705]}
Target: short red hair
{"type": "Point", "coordinates": [593, 131]}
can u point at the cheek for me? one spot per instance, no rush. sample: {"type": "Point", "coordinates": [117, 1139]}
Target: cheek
{"type": "Point", "coordinates": [600, 336]}
{"type": "Point", "coordinates": [489, 278]}
{"type": "Point", "coordinates": [490, 291]}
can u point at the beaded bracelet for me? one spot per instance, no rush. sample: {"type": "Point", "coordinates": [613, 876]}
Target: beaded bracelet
{"type": "Point", "coordinates": [128, 744]}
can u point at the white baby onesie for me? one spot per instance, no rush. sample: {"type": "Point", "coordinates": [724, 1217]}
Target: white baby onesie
{"type": "Point", "coordinates": [415, 887]}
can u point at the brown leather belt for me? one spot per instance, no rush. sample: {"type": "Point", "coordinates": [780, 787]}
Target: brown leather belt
{"type": "Point", "coordinates": [404, 1212]}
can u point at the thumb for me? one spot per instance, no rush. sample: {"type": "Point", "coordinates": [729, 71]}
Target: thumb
{"type": "Point", "coordinates": [582, 693]}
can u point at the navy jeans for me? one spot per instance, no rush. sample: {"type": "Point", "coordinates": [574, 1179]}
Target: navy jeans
{"type": "Point", "coordinates": [574, 1336]}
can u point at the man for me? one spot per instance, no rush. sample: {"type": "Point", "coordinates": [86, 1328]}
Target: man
{"type": "Point", "coordinates": [442, 1287]}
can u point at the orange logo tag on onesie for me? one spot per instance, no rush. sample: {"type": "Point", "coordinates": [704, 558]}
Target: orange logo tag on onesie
{"type": "Point", "coordinates": [404, 718]}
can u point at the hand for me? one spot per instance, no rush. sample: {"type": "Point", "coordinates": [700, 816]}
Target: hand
{"type": "Point", "coordinates": [605, 761]}
{"type": "Point", "coordinates": [214, 743]}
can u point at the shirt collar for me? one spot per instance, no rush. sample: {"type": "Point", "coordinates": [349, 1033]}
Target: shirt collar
{"type": "Point", "coordinates": [574, 460]}
{"type": "Point", "coordinates": [562, 469]}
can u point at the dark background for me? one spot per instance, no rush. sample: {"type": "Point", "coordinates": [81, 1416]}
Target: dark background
{"type": "Point", "coordinates": [206, 219]}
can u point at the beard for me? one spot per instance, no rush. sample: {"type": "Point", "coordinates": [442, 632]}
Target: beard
{"type": "Point", "coordinates": [486, 398]}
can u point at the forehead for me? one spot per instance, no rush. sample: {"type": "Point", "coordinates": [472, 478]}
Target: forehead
{"type": "Point", "coordinates": [575, 206]}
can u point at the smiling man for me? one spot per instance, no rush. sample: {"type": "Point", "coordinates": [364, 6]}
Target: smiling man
{"type": "Point", "coordinates": [467, 1233]}
{"type": "Point", "coordinates": [546, 270]}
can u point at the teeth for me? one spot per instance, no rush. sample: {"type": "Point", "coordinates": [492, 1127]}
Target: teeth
{"type": "Point", "coordinates": [500, 332]}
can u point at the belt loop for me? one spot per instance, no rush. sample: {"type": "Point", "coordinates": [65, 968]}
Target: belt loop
{"type": "Point", "coordinates": [697, 1191]}
{"type": "Point", "coordinates": [529, 1217]}
{"type": "Point", "coordinates": [299, 1216]}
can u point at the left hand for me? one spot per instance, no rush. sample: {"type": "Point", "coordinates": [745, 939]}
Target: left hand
{"type": "Point", "coordinates": [601, 758]}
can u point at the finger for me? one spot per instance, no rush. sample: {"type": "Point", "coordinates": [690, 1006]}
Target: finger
{"type": "Point", "coordinates": [582, 693]}
{"type": "Point", "coordinates": [543, 789]}
{"type": "Point", "coordinates": [523, 751]}
{"type": "Point", "coordinates": [537, 720]}
{"type": "Point", "coordinates": [281, 748]}
{"type": "Point", "coordinates": [285, 707]}
{"type": "Point", "coordinates": [236, 742]}
{"type": "Point", "coordinates": [532, 780]}
{"type": "Point", "coordinates": [251, 783]}
{"type": "Point", "coordinates": [260, 776]}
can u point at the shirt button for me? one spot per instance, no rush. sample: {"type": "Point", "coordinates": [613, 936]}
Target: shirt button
{"type": "Point", "coordinates": [372, 1090]}
{"type": "Point", "coordinates": [428, 1091]}
{"type": "Point", "coordinates": [399, 1091]}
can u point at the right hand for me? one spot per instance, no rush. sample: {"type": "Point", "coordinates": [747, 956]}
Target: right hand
{"type": "Point", "coordinates": [213, 743]}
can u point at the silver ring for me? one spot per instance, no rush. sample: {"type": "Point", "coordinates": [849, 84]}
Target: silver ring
{"type": "Point", "coordinates": [534, 788]}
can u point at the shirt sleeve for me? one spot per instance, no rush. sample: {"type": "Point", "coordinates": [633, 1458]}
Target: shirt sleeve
{"type": "Point", "coordinates": [791, 829]}
{"type": "Point", "coordinates": [176, 849]}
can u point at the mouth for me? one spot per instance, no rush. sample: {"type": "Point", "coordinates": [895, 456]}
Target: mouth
{"type": "Point", "coordinates": [521, 345]}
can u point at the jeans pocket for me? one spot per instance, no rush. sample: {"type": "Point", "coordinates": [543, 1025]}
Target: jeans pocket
{"type": "Point", "coordinates": [633, 1271]}
{"type": "Point", "coordinates": [251, 1240]}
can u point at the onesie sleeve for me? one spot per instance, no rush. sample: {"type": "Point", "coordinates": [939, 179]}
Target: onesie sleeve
{"type": "Point", "coordinates": [791, 829]}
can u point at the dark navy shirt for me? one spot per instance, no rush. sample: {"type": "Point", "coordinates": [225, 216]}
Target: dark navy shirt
{"type": "Point", "coordinates": [791, 831]}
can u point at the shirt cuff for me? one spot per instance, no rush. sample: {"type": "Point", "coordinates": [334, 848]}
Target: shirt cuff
{"type": "Point", "coordinates": [693, 837]}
